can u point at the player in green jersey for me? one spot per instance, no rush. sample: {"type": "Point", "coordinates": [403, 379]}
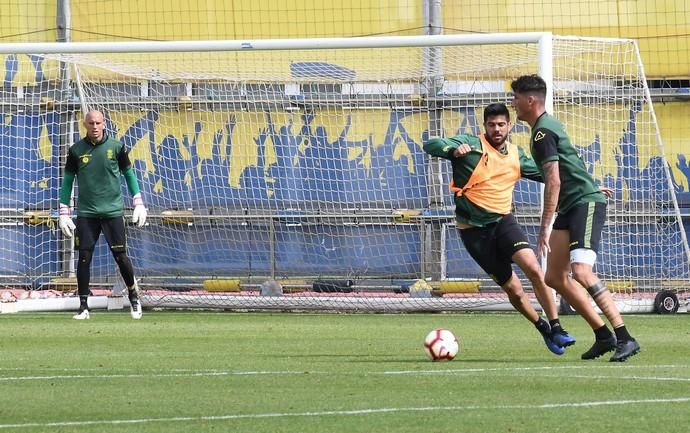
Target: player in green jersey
{"type": "Point", "coordinates": [485, 170]}
{"type": "Point", "coordinates": [572, 242]}
{"type": "Point", "coordinates": [98, 162]}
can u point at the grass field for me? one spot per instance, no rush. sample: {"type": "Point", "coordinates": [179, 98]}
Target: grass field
{"type": "Point", "coordinates": [261, 372]}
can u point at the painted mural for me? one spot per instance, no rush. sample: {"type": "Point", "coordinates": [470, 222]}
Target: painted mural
{"type": "Point", "coordinates": [289, 160]}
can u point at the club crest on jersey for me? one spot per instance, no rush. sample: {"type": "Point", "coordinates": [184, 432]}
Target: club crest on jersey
{"type": "Point", "coordinates": [110, 154]}
{"type": "Point", "coordinates": [539, 135]}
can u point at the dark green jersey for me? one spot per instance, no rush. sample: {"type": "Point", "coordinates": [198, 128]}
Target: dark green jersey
{"type": "Point", "coordinates": [549, 142]}
{"type": "Point", "coordinates": [465, 211]}
{"type": "Point", "coordinates": [98, 168]}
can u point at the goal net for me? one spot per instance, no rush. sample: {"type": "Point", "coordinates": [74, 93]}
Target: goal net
{"type": "Point", "coordinates": [290, 174]}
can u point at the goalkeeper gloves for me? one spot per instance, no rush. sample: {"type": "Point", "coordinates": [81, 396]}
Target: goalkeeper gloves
{"type": "Point", "coordinates": [65, 223]}
{"type": "Point", "coordinates": [139, 213]}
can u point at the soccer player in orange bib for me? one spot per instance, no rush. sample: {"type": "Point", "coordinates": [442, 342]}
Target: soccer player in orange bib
{"type": "Point", "coordinates": [485, 171]}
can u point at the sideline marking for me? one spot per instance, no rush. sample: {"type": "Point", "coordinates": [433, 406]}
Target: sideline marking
{"type": "Point", "coordinates": [657, 378]}
{"type": "Point", "coordinates": [142, 375]}
{"type": "Point", "coordinates": [212, 373]}
{"type": "Point", "coordinates": [542, 368]}
{"type": "Point", "coordinates": [346, 412]}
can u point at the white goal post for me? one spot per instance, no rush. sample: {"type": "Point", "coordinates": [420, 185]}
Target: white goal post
{"type": "Point", "coordinates": [289, 174]}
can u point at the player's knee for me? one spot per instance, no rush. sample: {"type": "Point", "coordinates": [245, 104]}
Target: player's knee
{"type": "Point", "coordinates": [533, 272]}
{"type": "Point", "coordinates": [582, 273]}
{"type": "Point", "coordinates": [516, 297]}
{"type": "Point", "coordinates": [555, 279]}
{"type": "Point", "coordinates": [121, 257]}
{"type": "Point", "coordinates": [85, 256]}
{"type": "Point", "coordinates": [512, 287]}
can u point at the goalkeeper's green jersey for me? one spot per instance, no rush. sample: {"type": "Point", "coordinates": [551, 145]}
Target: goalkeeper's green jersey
{"type": "Point", "coordinates": [466, 211]}
{"type": "Point", "coordinates": [98, 168]}
{"type": "Point", "coordinates": [550, 142]}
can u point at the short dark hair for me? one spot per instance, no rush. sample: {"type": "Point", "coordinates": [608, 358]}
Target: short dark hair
{"type": "Point", "coordinates": [496, 109]}
{"type": "Point", "coordinates": [531, 84]}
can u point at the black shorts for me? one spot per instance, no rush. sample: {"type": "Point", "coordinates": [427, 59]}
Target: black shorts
{"type": "Point", "coordinates": [89, 229]}
{"type": "Point", "coordinates": [584, 222]}
{"type": "Point", "coordinates": [493, 246]}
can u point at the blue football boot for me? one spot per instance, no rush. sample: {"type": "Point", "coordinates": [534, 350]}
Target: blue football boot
{"type": "Point", "coordinates": [561, 337]}
{"type": "Point", "coordinates": [552, 345]}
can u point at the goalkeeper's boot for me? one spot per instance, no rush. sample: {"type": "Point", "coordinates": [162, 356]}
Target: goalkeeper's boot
{"type": "Point", "coordinates": [600, 347]}
{"type": "Point", "coordinates": [561, 337]}
{"type": "Point", "coordinates": [625, 349]}
{"type": "Point", "coordinates": [82, 315]}
{"type": "Point", "coordinates": [134, 302]}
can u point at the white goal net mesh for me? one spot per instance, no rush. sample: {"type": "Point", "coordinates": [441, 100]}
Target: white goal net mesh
{"type": "Point", "coordinates": [306, 167]}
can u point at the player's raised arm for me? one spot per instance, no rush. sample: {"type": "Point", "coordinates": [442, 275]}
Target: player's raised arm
{"type": "Point", "coordinates": [447, 148]}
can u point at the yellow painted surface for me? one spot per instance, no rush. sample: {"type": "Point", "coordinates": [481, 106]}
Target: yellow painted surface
{"type": "Point", "coordinates": [661, 27]}
{"type": "Point", "coordinates": [244, 19]}
{"type": "Point", "coordinates": [673, 123]}
{"type": "Point", "coordinates": [27, 20]}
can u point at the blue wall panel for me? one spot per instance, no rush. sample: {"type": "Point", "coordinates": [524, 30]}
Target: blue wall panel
{"type": "Point", "coordinates": [28, 251]}
{"type": "Point", "coordinates": [29, 171]}
{"type": "Point", "coordinates": [353, 250]}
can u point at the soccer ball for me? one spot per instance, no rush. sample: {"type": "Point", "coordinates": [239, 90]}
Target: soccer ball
{"type": "Point", "coordinates": [441, 345]}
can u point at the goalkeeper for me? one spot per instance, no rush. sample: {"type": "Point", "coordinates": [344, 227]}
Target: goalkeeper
{"type": "Point", "coordinates": [485, 170]}
{"type": "Point", "coordinates": [98, 162]}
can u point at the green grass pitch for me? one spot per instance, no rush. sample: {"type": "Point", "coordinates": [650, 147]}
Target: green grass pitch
{"type": "Point", "coordinates": [274, 372]}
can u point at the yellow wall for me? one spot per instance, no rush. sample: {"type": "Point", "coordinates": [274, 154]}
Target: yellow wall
{"type": "Point", "coordinates": [27, 20]}
{"type": "Point", "coordinates": [244, 19]}
{"type": "Point", "coordinates": [662, 27]}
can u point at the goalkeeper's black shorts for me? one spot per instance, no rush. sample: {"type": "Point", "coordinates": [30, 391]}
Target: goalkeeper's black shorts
{"type": "Point", "coordinates": [89, 229]}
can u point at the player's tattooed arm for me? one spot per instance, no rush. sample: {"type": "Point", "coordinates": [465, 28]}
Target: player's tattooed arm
{"type": "Point", "coordinates": [552, 186]}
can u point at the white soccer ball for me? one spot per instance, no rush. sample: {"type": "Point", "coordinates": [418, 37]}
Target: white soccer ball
{"type": "Point", "coordinates": [441, 345]}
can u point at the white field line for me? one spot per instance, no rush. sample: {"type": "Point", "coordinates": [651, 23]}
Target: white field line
{"type": "Point", "coordinates": [652, 378]}
{"type": "Point", "coordinates": [582, 404]}
{"type": "Point", "coordinates": [145, 375]}
{"type": "Point", "coordinates": [156, 370]}
{"type": "Point", "coordinates": [79, 373]}
{"type": "Point", "coordinates": [590, 366]}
